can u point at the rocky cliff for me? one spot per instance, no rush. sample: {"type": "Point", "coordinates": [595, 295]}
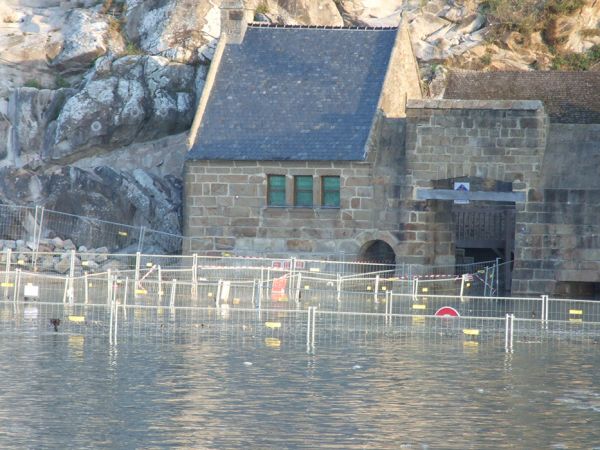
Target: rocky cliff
{"type": "Point", "coordinates": [96, 95]}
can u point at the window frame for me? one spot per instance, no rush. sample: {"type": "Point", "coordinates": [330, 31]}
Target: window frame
{"type": "Point", "coordinates": [270, 190]}
{"type": "Point", "coordinates": [324, 192]}
{"type": "Point", "coordinates": [297, 191]}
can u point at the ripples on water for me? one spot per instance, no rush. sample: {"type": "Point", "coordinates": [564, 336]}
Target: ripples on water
{"type": "Point", "coordinates": [63, 391]}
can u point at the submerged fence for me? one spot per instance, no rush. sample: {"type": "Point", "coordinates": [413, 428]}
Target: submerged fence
{"type": "Point", "coordinates": [304, 302]}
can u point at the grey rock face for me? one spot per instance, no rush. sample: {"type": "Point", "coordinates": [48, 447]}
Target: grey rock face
{"type": "Point", "coordinates": [30, 113]}
{"type": "Point", "coordinates": [87, 36]}
{"type": "Point", "coordinates": [135, 98]}
{"type": "Point", "coordinates": [137, 199]}
{"type": "Point", "coordinates": [174, 29]}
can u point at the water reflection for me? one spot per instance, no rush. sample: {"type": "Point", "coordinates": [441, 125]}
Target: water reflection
{"type": "Point", "coordinates": [63, 391]}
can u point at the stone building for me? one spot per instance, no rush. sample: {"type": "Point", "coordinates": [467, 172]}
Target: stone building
{"type": "Point", "coordinates": [316, 140]}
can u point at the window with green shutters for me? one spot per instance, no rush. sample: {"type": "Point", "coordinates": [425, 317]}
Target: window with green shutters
{"type": "Point", "coordinates": [330, 192]}
{"type": "Point", "coordinates": [276, 190]}
{"type": "Point", "coordinates": [303, 191]}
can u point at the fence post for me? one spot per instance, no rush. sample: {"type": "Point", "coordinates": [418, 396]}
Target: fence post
{"type": "Point", "coordinates": [86, 288]}
{"type": "Point", "coordinates": [298, 286]}
{"type": "Point", "coordinates": [544, 309]}
{"type": "Point", "coordinates": [17, 286]}
{"type": "Point", "coordinates": [71, 293]}
{"type": "Point", "coordinates": [376, 290]}
{"type": "Point", "coordinates": [138, 257]}
{"type": "Point", "coordinates": [173, 292]}
{"type": "Point", "coordinates": [125, 298]}
{"type": "Point", "coordinates": [160, 288]}
{"type": "Point", "coordinates": [339, 287]}
{"type": "Point", "coordinates": [141, 239]}
{"type": "Point", "coordinates": [6, 275]}
{"type": "Point", "coordinates": [462, 287]}
{"type": "Point", "coordinates": [195, 276]}
{"type": "Point", "coordinates": [415, 286]}
{"type": "Point", "coordinates": [218, 299]}
{"type": "Point", "coordinates": [108, 287]}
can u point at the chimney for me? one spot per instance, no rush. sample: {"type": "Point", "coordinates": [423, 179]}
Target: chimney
{"type": "Point", "coordinates": [234, 20]}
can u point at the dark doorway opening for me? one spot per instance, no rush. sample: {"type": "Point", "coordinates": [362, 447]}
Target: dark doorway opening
{"type": "Point", "coordinates": [378, 252]}
{"type": "Point", "coordinates": [577, 290]}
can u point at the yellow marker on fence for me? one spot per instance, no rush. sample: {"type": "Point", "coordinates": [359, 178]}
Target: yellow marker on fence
{"type": "Point", "coordinates": [141, 292]}
{"type": "Point", "coordinates": [210, 294]}
{"type": "Point", "coordinates": [425, 289]}
{"type": "Point", "coordinates": [273, 325]}
{"type": "Point", "coordinates": [122, 233]}
{"type": "Point", "coordinates": [384, 288]}
{"type": "Point", "coordinates": [90, 285]}
{"type": "Point", "coordinates": [470, 332]}
{"type": "Point", "coordinates": [306, 287]}
{"type": "Point", "coordinates": [314, 269]}
{"type": "Point", "coordinates": [272, 342]}
{"type": "Point", "coordinates": [21, 262]}
{"type": "Point", "coordinates": [576, 315]}
{"type": "Point", "coordinates": [236, 301]}
{"type": "Point", "coordinates": [419, 307]}
{"type": "Point", "coordinates": [7, 285]}
{"type": "Point", "coordinates": [418, 320]}
{"type": "Point", "coordinates": [369, 288]}
{"type": "Point", "coordinates": [149, 264]}
{"type": "Point", "coordinates": [85, 263]}
{"type": "Point", "coordinates": [77, 319]}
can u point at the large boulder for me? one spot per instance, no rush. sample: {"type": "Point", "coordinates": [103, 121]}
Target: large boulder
{"type": "Point", "coordinates": [87, 35]}
{"type": "Point", "coordinates": [135, 98]}
{"type": "Point", "coordinates": [176, 29]}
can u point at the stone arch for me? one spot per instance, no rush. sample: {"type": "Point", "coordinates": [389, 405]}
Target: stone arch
{"type": "Point", "coordinates": [378, 241]}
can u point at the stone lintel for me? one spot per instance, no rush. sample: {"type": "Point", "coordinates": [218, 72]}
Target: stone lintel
{"type": "Point", "coordinates": [449, 194]}
{"type": "Point", "coordinates": [526, 105]}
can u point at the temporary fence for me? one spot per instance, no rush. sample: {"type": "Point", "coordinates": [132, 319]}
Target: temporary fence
{"type": "Point", "coordinates": [301, 302]}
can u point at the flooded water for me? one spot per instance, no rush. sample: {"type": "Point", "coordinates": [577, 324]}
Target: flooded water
{"type": "Point", "coordinates": [61, 391]}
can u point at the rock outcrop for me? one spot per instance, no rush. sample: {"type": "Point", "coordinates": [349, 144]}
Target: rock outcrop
{"type": "Point", "coordinates": [134, 98]}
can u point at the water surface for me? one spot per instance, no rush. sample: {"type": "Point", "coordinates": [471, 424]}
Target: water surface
{"type": "Point", "coordinates": [61, 391]}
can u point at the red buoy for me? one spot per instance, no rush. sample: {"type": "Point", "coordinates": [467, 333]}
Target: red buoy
{"type": "Point", "coordinates": [447, 311]}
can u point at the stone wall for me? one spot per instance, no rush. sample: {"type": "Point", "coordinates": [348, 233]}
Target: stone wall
{"type": "Point", "coordinates": [226, 206]}
{"type": "Point", "coordinates": [559, 237]}
{"type": "Point", "coordinates": [455, 140]}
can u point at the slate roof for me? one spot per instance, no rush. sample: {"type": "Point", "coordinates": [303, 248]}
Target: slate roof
{"type": "Point", "coordinates": [569, 97]}
{"type": "Point", "coordinates": [295, 93]}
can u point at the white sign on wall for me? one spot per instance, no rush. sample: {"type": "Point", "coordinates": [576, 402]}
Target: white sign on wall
{"type": "Point", "coordinates": [462, 186]}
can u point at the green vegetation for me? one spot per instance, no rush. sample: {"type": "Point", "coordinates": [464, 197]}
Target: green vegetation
{"type": "Point", "coordinates": [577, 61]}
{"type": "Point", "coordinates": [262, 8]}
{"type": "Point", "coordinates": [60, 82]}
{"type": "Point", "coordinates": [527, 16]}
{"type": "Point", "coordinates": [132, 48]}
{"type": "Point", "coordinates": [486, 59]}
{"type": "Point", "coordinates": [33, 84]}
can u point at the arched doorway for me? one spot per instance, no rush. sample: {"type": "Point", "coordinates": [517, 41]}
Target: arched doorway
{"type": "Point", "coordinates": [378, 252]}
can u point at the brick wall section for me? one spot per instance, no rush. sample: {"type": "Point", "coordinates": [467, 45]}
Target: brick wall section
{"type": "Point", "coordinates": [449, 139]}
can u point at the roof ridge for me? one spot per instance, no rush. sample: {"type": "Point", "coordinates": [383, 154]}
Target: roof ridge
{"type": "Point", "coordinates": [318, 27]}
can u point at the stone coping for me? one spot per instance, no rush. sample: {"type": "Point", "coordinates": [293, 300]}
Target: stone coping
{"type": "Point", "coordinates": [527, 105]}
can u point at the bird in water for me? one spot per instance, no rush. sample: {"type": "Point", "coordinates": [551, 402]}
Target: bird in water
{"type": "Point", "coordinates": [55, 323]}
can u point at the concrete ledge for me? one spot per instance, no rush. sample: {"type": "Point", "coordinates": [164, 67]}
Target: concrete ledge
{"type": "Point", "coordinates": [525, 105]}
{"type": "Point", "coordinates": [488, 196]}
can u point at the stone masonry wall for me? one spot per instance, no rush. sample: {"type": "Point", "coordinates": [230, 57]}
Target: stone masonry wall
{"type": "Point", "coordinates": [560, 224]}
{"type": "Point", "coordinates": [226, 203]}
{"type": "Point", "coordinates": [453, 139]}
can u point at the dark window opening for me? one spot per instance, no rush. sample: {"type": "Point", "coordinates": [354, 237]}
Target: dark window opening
{"type": "Point", "coordinates": [276, 190]}
{"type": "Point", "coordinates": [303, 191]}
{"type": "Point", "coordinates": [330, 192]}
